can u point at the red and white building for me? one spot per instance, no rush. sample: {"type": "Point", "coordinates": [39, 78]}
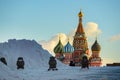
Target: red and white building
{"type": "Point", "coordinates": [79, 49]}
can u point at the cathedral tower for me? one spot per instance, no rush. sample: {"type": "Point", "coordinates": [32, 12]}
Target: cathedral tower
{"type": "Point", "coordinates": [95, 59]}
{"type": "Point", "coordinates": [79, 43]}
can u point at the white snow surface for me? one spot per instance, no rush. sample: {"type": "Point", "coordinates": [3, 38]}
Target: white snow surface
{"type": "Point", "coordinates": [36, 65]}
{"type": "Point", "coordinates": [33, 53]}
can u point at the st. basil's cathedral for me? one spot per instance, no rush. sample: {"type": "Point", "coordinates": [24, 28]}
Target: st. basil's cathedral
{"type": "Point", "coordinates": [79, 49]}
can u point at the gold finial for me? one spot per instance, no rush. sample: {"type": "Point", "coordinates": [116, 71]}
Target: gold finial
{"type": "Point", "coordinates": [59, 36]}
{"type": "Point", "coordinates": [96, 35]}
{"type": "Point", "coordinates": [80, 13]}
{"type": "Point", "coordinates": [68, 38]}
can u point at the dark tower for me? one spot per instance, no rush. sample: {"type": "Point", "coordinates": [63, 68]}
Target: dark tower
{"type": "Point", "coordinates": [95, 59]}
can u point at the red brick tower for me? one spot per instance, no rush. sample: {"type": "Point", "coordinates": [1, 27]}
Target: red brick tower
{"type": "Point", "coordinates": [79, 43]}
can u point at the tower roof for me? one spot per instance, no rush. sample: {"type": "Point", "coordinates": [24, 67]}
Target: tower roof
{"type": "Point", "coordinates": [80, 26]}
{"type": "Point", "coordinates": [59, 47]}
{"type": "Point", "coordinates": [68, 48]}
{"type": "Point", "coordinates": [96, 46]}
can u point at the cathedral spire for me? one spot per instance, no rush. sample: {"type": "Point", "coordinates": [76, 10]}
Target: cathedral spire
{"type": "Point", "coordinates": [96, 38]}
{"type": "Point", "coordinates": [59, 37]}
{"type": "Point", "coordinates": [80, 14]}
{"type": "Point", "coordinates": [68, 39]}
{"type": "Point", "coordinates": [80, 26]}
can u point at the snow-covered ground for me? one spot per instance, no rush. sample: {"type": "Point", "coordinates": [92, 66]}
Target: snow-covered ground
{"type": "Point", "coordinates": [72, 73]}
{"type": "Point", "coordinates": [36, 65]}
{"type": "Point", "coordinates": [64, 73]}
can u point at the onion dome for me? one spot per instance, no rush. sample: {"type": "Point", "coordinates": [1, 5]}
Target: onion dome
{"type": "Point", "coordinates": [68, 48]}
{"type": "Point", "coordinates": [80, 14]}
{"type": "Point", "coordinates": [96, 46]}
{"type": "Point", "coordinates": [59, 47]}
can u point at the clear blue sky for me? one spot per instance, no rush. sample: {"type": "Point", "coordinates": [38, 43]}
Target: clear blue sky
{"type": "Point", "coordinates": [41, 19]}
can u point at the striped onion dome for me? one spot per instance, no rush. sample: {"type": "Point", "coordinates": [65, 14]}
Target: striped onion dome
{"type": "Point", "coordinates": [58, 48]}
{"type": "Point", "coordinates": [68, 48]}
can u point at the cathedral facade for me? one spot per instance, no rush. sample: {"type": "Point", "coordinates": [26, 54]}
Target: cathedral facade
{"type": "Point", "coordinates": [79, 48]}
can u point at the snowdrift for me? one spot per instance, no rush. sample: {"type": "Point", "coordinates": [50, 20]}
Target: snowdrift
{"type": "Point", "coordinates": [7, 73]}
{"type": "Point", "coordinates": [33, 53]}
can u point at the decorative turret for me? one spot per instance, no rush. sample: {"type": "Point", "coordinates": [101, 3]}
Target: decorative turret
{"type": "Point", "coordinates": [58, 50]}
{"type": "Point", "coordinates": [68, 52]}
{"type": "Point", "coordinates": [96, 46]}
{"type": "Point", "coordinates": [95, 59]}
{"type": "Point", "coordinates": [68, 48]}
{"type": "Point", "coordinates": [59, 47]}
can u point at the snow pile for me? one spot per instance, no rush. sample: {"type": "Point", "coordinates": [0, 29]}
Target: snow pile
{"type": "Point", "coordinates": [7, 74]}
{"type": "Point", "coordinates": [33, 53]}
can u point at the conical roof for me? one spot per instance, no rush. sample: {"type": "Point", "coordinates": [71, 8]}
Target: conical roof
{"type": "Point", "coordinates": [68, 48]}
{"type": "Point", "coordinates": [80, 26]}
{"type": "Point", "coordinates": [96, 46]}
{"type": "Point", "coordinates": [59, 47]}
